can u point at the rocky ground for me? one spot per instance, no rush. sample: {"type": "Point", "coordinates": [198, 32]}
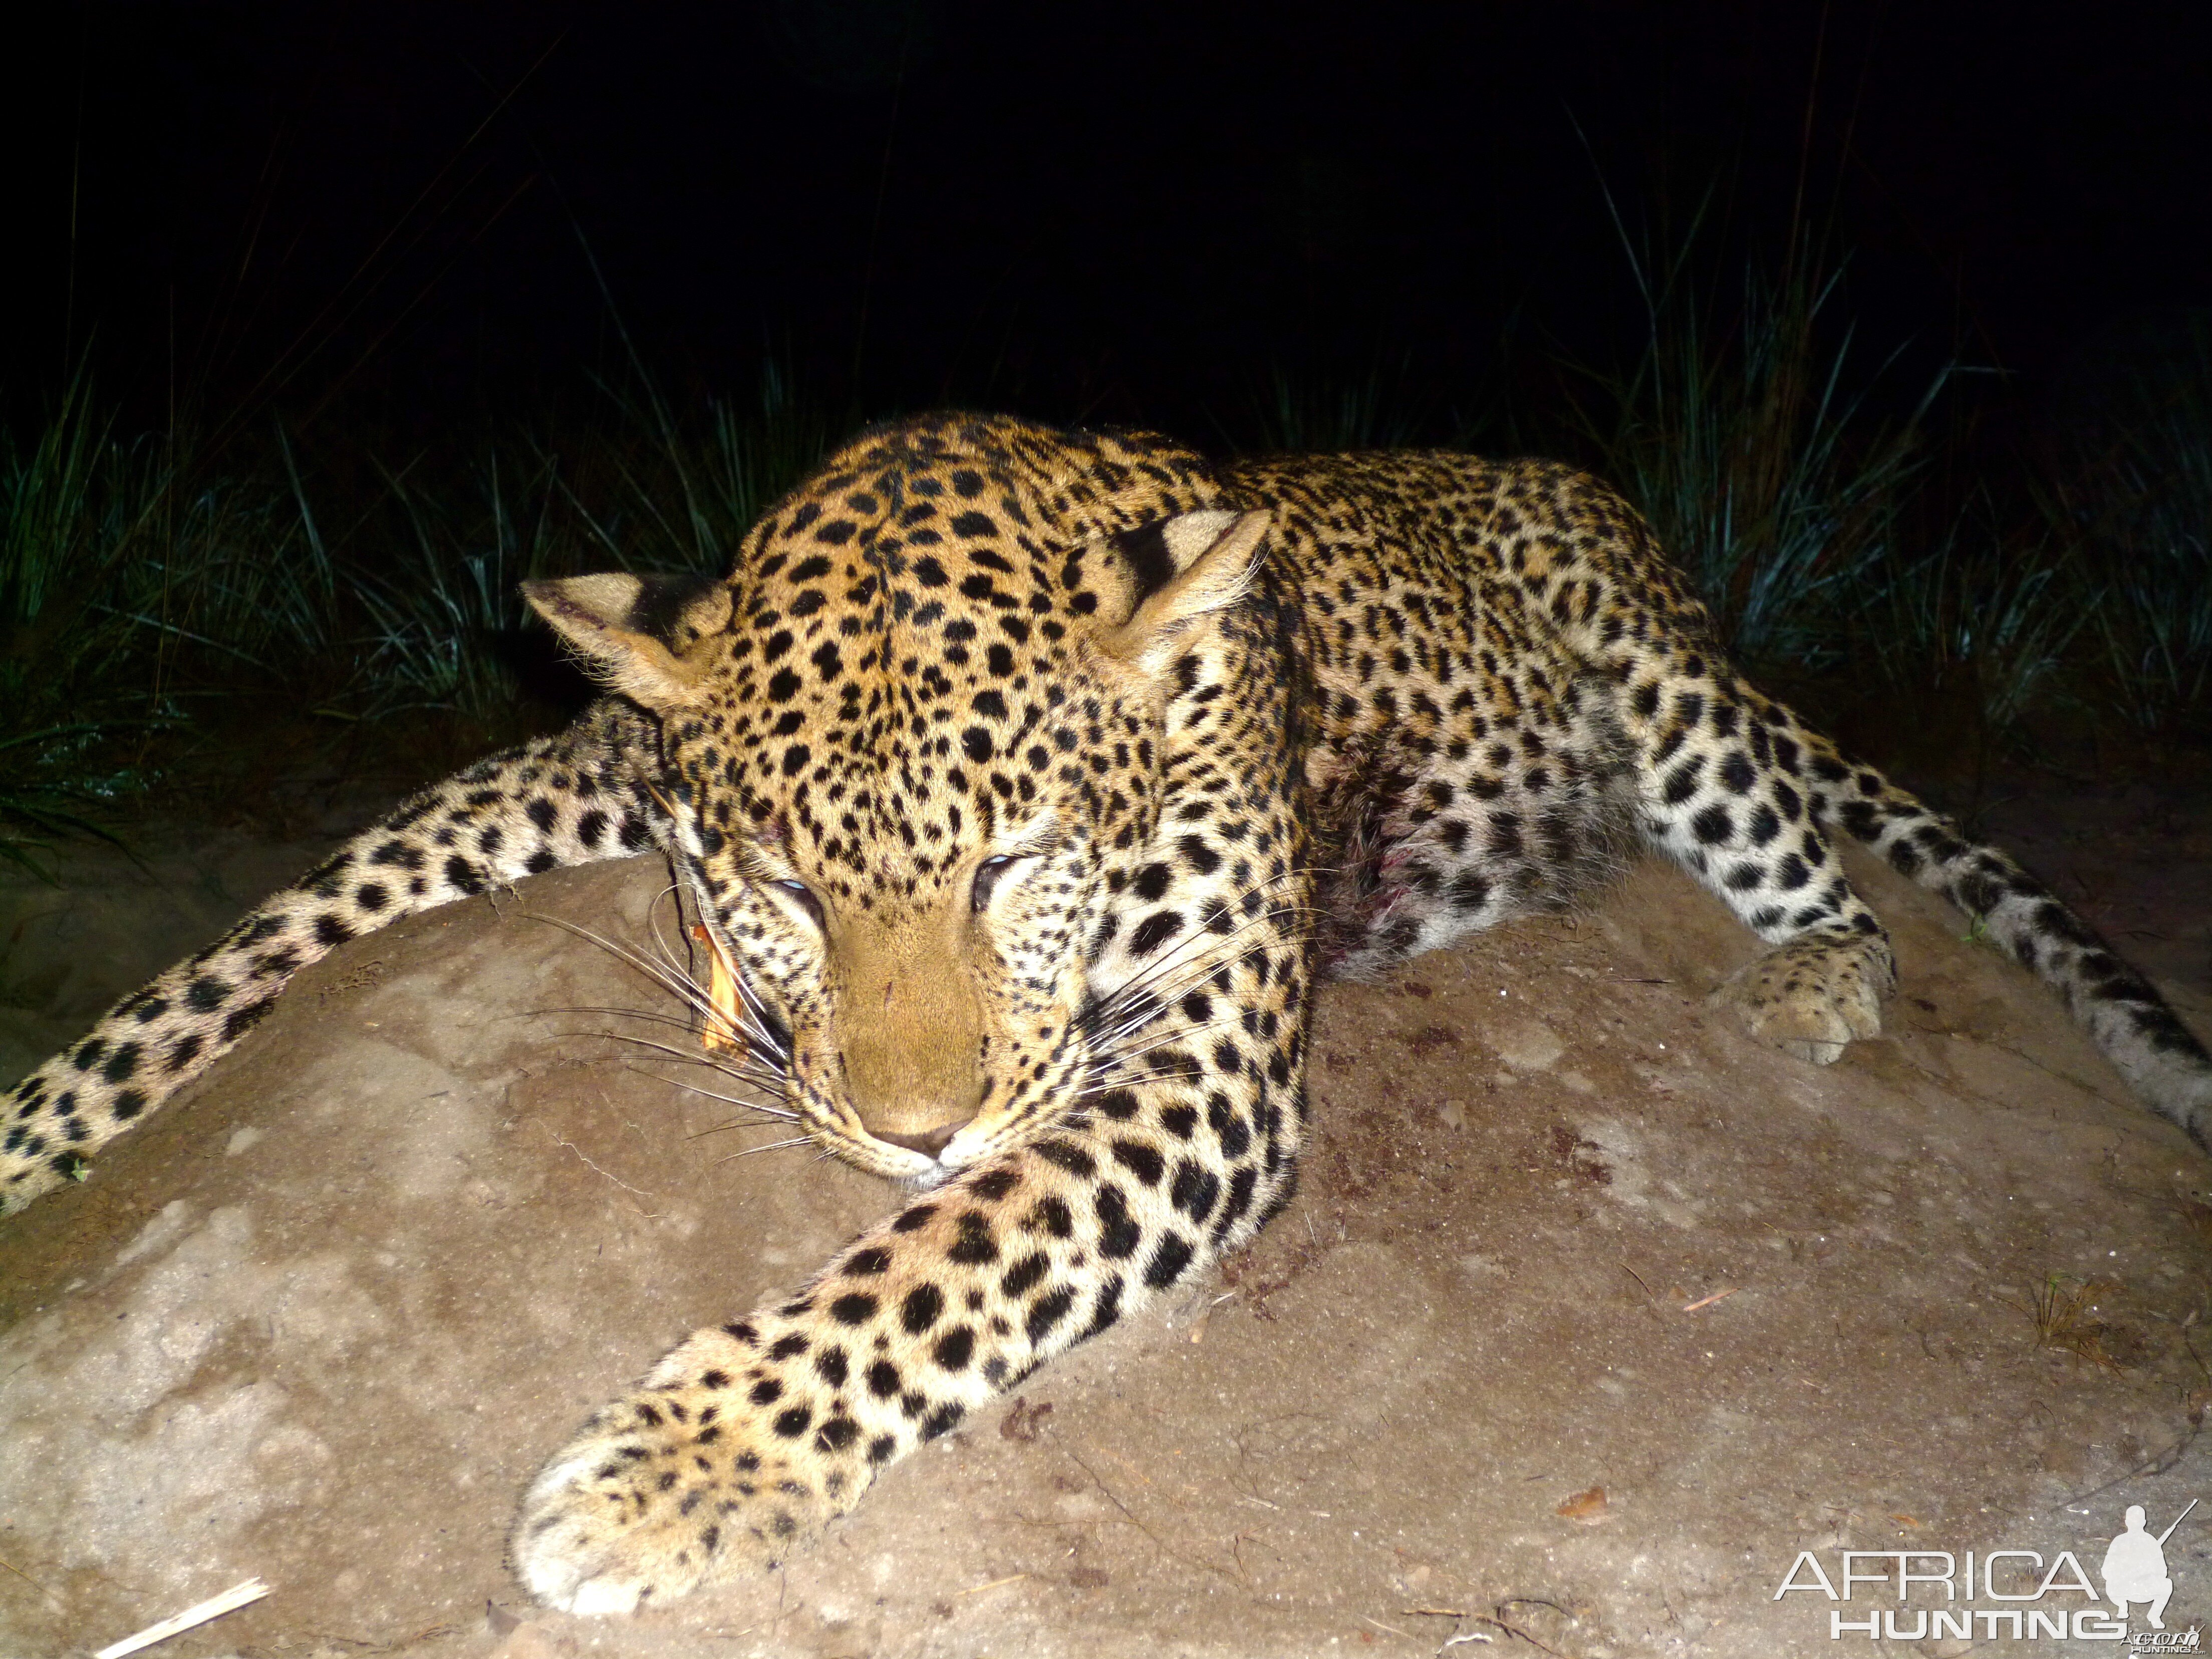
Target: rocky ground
{"type": "Point", "coordinates": [1589, 1318]}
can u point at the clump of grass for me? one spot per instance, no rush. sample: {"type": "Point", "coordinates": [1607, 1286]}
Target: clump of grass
{"type": "Point", "coordinates": [2130, 500]}
{"type": "Point", "coordinates": [750, 456]}
{"type": "Point", "coordinates": [1741, 431]}
{"type": "Point", "coordinates": [443, 618]}
{"type": "Point", "coordinates": [1323, 413]}
{"type": "Point", "coordinates": [144, 583]}
{"type": "Point", "coordinates": [147, 582]}
{"type": "Point", "coordinates": [77, 507]}
{"type": "Point", "coordinates": [684, 496]}
{"type": "Point", "coordinates": [73, 502]}
{"type": "Point", "coordinates": [2064, 1311]}
{"type": "Point", "coordinates": [1977, 612]}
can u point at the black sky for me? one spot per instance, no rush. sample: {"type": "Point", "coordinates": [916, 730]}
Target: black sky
{"type": "Point", "coordinates": [1126, 212]}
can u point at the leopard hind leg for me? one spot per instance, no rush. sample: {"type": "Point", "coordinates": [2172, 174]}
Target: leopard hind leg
{"type": "Point", "coordinates": [2134, 1026]}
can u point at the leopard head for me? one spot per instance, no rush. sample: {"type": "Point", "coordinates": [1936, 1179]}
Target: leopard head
{"type": "Point", "coordinates": [914, 748]}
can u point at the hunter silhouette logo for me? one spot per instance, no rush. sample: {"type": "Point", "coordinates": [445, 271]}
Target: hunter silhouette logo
{"type": "Point", "coordinates": [2135, 1566]}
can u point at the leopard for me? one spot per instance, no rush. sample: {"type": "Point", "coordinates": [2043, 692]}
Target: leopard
{"type": "Point", "coordinates": [1029, 782]}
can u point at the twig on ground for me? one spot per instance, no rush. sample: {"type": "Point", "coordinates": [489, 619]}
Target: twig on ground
{"type": "Point", "coordinates": [214, 1608]}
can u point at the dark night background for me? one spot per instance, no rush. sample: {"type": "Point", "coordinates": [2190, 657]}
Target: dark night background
{"type": "Point", "coordinates": [330, 324]}
{"type": "Point", "coordinates": [1123, 214]}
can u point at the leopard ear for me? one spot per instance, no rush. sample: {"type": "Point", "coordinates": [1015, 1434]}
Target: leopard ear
{"type": "Point", "coordinates": [635, 633]}
{"type": "Point", "coordinates": [1193, 564]}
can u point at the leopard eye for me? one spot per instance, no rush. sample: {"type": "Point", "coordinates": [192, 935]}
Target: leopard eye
{"type": "Point", "coordinates": [803, 896]}
{"type": "Point", "coordinates": [987, 878]}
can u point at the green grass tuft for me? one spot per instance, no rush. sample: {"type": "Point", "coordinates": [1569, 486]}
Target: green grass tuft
{"type": "Point", "coordinates": [1742, 432]}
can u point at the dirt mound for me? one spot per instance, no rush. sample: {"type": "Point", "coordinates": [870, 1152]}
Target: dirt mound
{"type": "Point", "coordinates": [1589, 1317]}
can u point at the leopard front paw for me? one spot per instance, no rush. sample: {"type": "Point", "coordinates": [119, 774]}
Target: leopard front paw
{"type": "Point", "coordinates": [713, 1467]}
{"type": "Point", "coordinates": [1813, 995]}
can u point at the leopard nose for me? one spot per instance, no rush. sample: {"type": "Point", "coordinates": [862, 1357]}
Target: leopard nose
{"type": "Point", "coordinates": [929, 1142]}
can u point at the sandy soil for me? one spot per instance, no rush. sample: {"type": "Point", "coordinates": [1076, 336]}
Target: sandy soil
{"type": "Point", "coordinates": [1591, 1316]}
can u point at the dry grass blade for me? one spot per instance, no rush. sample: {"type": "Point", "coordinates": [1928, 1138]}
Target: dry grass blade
{"type": "Point", "coordinates": [724, 1029]}
{"type": "Point", "coordinates": [2064, 1317]}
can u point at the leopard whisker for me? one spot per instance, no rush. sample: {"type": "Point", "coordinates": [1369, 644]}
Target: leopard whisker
{"type": "Point", "coordinates": [1155, 988]}
{"type": "Point", "coordinates": [760, 1068]}
{"type": "Point", "coordinates": [778, 1114]}
{"type": "Point", "coordinates": [739, 1070]}
{"type": "Point", "coordinates": [1118, 1060]}
{"type": "Point", "coordinates": [1150, 1000]}
{"type": "Point", "coordinates": [723, 1128]}
{"type": "Point", "coordinates": [1206, 928]}
{"type": "Point", "coordinates": [772, 1146]}
{"type": "Point", "coordinates": [1201, 939]}
{"type": "Point", "coordinates": [649, 1015]}
{"type": "Point", "coordinates": [751, 998]}
{"type": "Point", "coordinates": [679, 985]}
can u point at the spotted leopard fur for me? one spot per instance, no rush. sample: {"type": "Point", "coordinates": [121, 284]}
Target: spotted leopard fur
{"type": "Point", "coordinates": [1032, 780]}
